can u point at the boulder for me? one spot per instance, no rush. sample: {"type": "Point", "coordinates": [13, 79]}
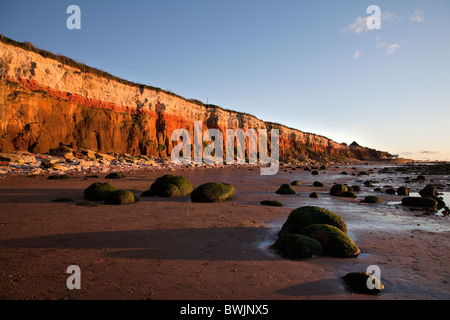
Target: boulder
{"type": "Point", "coordinates": [428, 191]}
{"type": "Point", "coordinates": [273, 203]}
{"type": "Point", "coordinates": [169, 186]}
{"type": "Point", "coordinates": [98, 191]}
{"type": "Point", "coordinates": [317, 184]}
{"type": "Point", "coordinates": [357, 281]}
{"type": "Point", "coordinates": [356, 188]}
{"type": "Point", "coordinates": [115, 175]}
{"type": "Point", "coordinates": [212, 192]}
{"type": "Point", "coordinates": [285, 189]}
{"type": "Point", "coordinates": [120, 197]}
{"type": "Point", "coordinates": [334, 241]}
{"type": "Point", "coordinates": [295, 246]}
{"type": "Point", "coordinates": [368, 183]}
{"type": "Point", "coordinates": [372, 199]}
{"type": "Point", "coordinates": [296, 183]}
{"type": "Point", "coordinates": [421, 202]}
{"type": "Point", "coordinates": [338, 189]}
{"type": "Point", "coordinates": [314, 195]}
{"type": "Point", "coordinates": [403, 191]}
{"type": "Point", "coordinates": [307, 215]}
{"type": "Point", "coordinates": [349, 194]}
{"type": "Point", "coordinates": [390, 191]}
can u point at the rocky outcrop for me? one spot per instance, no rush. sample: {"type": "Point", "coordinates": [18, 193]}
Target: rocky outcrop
{"type": "Point", "coordinates": [48, 100]}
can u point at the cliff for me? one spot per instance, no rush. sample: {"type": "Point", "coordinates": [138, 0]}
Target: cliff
{"type": "Point", "coordinates": [47, 100]}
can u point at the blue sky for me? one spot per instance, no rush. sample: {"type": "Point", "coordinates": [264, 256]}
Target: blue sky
{"type": "Point", "coordinates": [311, 65]}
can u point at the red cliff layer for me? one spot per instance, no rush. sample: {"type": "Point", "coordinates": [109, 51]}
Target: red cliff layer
{"type": "Point", "coordinates": [46, 100]}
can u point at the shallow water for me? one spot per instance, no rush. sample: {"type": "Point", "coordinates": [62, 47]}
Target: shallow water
{"type": "Point", "coordinates": [388, 215]}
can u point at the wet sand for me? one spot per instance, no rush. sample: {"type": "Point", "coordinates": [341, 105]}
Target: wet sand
{"type": "Point", "coordinates": [166, 249]}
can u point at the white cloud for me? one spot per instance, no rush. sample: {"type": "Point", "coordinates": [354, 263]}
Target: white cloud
{"type": "Point", "coordinates": [417, 16]}
{"type": "Point", "coordinates": [359, 26]}
{"type": "Point", "coordinates": [392, 48]}
{"type": "Point", "coordinates": [357, 54]}
{"type": "Point", "coordinates": [360, 23]}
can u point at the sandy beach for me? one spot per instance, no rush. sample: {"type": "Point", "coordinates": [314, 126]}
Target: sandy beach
{"type": "Point", "coordinates": [172, 248]}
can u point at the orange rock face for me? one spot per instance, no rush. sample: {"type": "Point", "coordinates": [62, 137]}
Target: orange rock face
{"type": "Point", "coordinates": [44, 103]}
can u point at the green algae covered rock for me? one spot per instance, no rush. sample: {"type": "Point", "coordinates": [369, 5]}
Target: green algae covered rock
{"type": "Point", "coordinates": [338, 189]}
{"type": "Point", "coordinates": [296, 183]}
{"type": "Point", "coordinates": [98, 191]}
{"type": "Point", "coordinates": [169, 186]}
{"type": "Point", "coordinates": [403, 191]}
{"type": "Point", "coordinates": [285, 189]}
{"type": "Point", "coordinates": [372, 199]}
{"type": "Point", "coordinates": [273, 203]}
{"type": "Point", "coordinates": [334, 241]}
{"type": "Point", "coordinates": [212, 192]}
{"type": "Point", "coordinates": [115, 175]}
{"type": "Point", "coordinates": [295, 246]}
{"type": "Point", "coordinates": [120, 197]}
{"type": "Point", "coordinates": [362, 282]}
{"type": "Point", "coordinates": [307, 215]}
{"type": "Point", "coordinates": [317, 184]}
{"type": "Point", "coordinates": [314, 195]}
{"type": "Point", "coordinates": [349, 194]}
{"type": "Point", "coordinates": [428, 191]}
{"type": "Point", "coordinates": [421, 202]}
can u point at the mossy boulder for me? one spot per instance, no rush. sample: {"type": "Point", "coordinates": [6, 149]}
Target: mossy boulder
{"type": "Point", "coordinates": [421, 202]}
{"type": "Point", "coordinates": [296, 183]}
{"type": "Point", "coordinates": [98, 191]}
{"type": "Point", "coordinates": [338, 189]}
{"type": "Point", "coordinates": [212, 192]}
{"type": "Point", "coordinates": [349, 194]}
{"type": "Point", "coordinates": [307, 215]}
{"type": "Point", "coordinates": [421, 177]}
{"type": "Point", "coordinates": [295, 246]}
{"type": "Point", "coordinates": [314, 195]}
{"type": "Point", "coordinates": [120, 197]}
{"type": "Point", "coordinates": [317, 184]}
{"type": "Point", "coordinates": [169, 186]}
{"type": "Point", "coordinates": [372, 199]}
{"type": "Point", "coordinates": [390, 191]}
{"type": "Point", "coordinates": [273, 203]}
{"type": "Point", "coordinates": [334, 241]}
{"type": "Point", "coordinates": [285, 189]}
{"type": "Point", "coordinates": [315, 172]}
{"type": "Point", "coordinates": [115, 175]}
{"type": "Point", "coordinates": [356, 188]}
{"type": "Point", "coordinates": [428, 191]}
{"type": "Point", "coordinates": [440, 202]}
{"type": "Point", "coordinates": [368, 183]}
{"type": "Point", "coordinates": [358, 282]}
{"type": "Point", "coordinates": [403, 191]}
